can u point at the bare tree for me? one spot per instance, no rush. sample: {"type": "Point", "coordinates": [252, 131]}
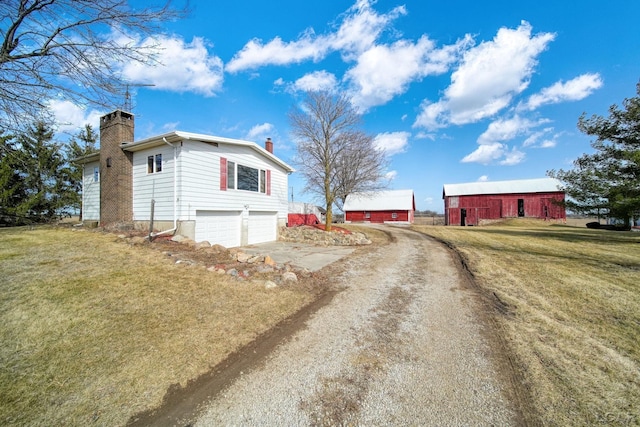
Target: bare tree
{"type": "Point", "coordinates": [69, 50]}
{"type": "Point", "coordinates": [333, 155]}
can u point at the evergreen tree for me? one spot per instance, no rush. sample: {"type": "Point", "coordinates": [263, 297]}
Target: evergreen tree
{"type": "Point", "coordinates": [80, 145]}
{"type": "Point", "coordinates": [11, 188]}
{"type": "Point", "coordinates": [608, 179]}
{"type": "Point", "coordinates": [40, 162]}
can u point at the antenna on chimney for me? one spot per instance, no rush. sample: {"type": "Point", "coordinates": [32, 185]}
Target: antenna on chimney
{"type": "Point", "coordinates": [128, 106]}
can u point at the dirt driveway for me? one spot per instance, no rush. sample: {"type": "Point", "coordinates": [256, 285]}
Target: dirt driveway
{"type": "Point", "coordinates": [401, 343]}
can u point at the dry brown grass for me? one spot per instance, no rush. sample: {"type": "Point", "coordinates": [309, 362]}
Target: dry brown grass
{"type": "Point", "coordinates": [94, 330]}
{"type": "Point", "coordinates": [573, 314]}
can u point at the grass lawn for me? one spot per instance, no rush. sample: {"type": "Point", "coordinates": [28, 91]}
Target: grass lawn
{"type": "Point", "coordinates": [94, 330]}
{"type": "Point", "coordinates": [572, 318]}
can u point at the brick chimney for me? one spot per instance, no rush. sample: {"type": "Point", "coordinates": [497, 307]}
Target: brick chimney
{"type": "Point", "coordinates": [268, 145]}
{"type": "Point", "coordinates": [116, 168]}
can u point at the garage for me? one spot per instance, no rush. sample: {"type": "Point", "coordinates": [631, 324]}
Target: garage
{"type": "Point", "coordinates": [218, 227]}
{"type": "Point", "coordinates": [263, 227]}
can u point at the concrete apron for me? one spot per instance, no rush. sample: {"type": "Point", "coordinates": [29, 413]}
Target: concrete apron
{"type": "Point", "coordinates": [302, 255]}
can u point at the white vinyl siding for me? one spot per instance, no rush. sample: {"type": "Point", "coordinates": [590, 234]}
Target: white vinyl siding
{"type": "Point", "coordinates": [153, 186]}
{"type": "Point", "coordinates": [91, 192]}
{"type": "Point", "coordinates": [200, 186]}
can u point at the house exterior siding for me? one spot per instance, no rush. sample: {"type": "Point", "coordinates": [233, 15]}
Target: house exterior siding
{"type": "Point", "coordinates": [201, 175]}
{"type": "Point", "coordinates": [183, 176]}
{"type": "Point", "coordinates": [91, 191]}
{"type": "Point", "coordinates": [157, 186]}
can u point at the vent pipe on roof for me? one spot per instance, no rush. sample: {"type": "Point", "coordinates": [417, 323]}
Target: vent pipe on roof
{"type": "Point", "coordinates": [268, 145]}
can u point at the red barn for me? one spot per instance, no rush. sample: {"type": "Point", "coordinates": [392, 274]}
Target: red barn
{"type": "Point", "coordinates": [470, 203]}
{"type": "Point", "coordinates": [380, 206]}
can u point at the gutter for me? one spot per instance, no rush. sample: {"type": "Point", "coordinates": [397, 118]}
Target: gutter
{"type": "Point", "coordinates": [175, 192]}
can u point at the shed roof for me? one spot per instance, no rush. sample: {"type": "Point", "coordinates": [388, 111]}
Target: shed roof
{"type": "Point", "coordinates": [540, 185]}
{"type": "Point", "coordinates": [380, 201]}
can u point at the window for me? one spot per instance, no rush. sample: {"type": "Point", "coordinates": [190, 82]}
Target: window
{"type": "Point", "coordinates": [247, 178]}
{"type": "Point", "coordinates": [234, 176]}
{"type": "Point", "coordinates": [367, 214]}
{"type": "Point", "coordinates": [154, 163]}
{"type": "Point", "coordinates": [96, 174]}
{"type": "Point", "coordinates": [394, 215]}
{"type": "Point", "coordinates": [231, 175]}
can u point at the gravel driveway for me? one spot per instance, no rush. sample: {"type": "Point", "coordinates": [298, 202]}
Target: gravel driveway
{"type": "Point", "coordinates": [399, 345]}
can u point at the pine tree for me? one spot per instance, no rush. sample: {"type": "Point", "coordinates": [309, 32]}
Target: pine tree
{"type": "Point", "coordinates": [40, 162]}
{"type": "Point", "coordinates": [608, 179]}
{"type": "Point", "coordinates": [80, 145]}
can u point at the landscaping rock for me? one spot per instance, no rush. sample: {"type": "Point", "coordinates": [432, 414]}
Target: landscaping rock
{"type": "Point", "coordinates": [242, 257]}
{"type": "Point", "coordinates": [203, 245]}
{"type": "Point", "coordinates": [268, 284]}
{"type": "Point", "coordinates": [321, 237]}
{"type": "Point", "coordinates": [289, 276]}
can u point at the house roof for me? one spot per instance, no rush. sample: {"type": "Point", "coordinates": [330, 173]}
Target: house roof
{"type": "Point", "coordinates": [177, 136]}
{"type": "Point", "coordinates": [380, 201]}
{"type": "Point", "coordinates": [540, 185]}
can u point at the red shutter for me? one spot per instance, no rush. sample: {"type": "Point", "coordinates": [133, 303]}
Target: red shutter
{"type": "Point", "coordinates": [268, 182]}
{"type": "Point", "coordinates": [223, 174]}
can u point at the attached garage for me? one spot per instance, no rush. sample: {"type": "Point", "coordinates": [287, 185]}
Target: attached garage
{"type": "Point", "coordinates": [219, 227]}
{"type": "Point", "coordinates": [263, 227]}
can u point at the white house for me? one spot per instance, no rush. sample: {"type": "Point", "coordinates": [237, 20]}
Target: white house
{"type": "Point", "coordinates": [226, 191]}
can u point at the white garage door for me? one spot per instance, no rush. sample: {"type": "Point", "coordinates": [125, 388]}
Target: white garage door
{"type": "Point", "coordinates": [218, 227]}
{"type": "Point", "coordinates": [262, 227]}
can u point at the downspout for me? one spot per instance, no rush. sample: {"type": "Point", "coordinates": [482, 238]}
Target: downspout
{"type": "Point", "coordinates": [175, 190]}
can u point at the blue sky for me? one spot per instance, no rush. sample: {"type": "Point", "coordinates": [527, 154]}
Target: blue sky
{"type": "Point", "coordinates": [452, 91]}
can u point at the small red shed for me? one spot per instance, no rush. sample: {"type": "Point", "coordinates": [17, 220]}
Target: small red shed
{"type": "Point", "coordinates": [470, 203]}
{"type": "Point", "coordinates": [380, 206]}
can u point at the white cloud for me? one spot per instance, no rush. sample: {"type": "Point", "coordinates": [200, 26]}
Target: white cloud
{"type": "Point", "coordinates": [276, 52]}
{"type": "Point", "coordinates": [513, 157]}
{"type": "Point", "coordinates": [358, 31]}
{"type": "Point", "coordinates": [506, 129]}
{"type": "Point", "coordinates": [541, 140]}
{"type": "Point", "coordinates": [384, 71]}
{"type": "Point", "coordinates": [485, 154]}
{"type": "Point", "coordinates": [71, 118]}
{"type": "Point", "coordinates": [573, 90]}
{"type": "Point", "coordinates": [183, 67]}
{"type": "Point", "coordinates": [549, 143]}
{"type": "Point", "coordinates": [170, 126]}
{"type": "Point", "coordinates": [392, 142]}
{"type": "Point", "coordinates": [260, 131]}
{"type": "Point", "coordinates": [391, 175]}
{"type": "Point", "coordinates": [483, 178]}
{"type": "Point", "coordinates": [488, 78]}
{"type": "Point", "coordinates": [491, 142]}
{"type": "Point", "coordinates": [316, 81]}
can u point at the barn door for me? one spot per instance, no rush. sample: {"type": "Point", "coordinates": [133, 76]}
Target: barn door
{"type": "Point", "coordinates": [520, 207]}
{"type": "Point", "coordinates": [463, 216]}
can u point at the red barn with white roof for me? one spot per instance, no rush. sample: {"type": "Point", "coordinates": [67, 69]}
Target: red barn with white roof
{"type": "Point", "coordinates": [380, 206]}
{"type": "Point", "coordinates": [470, 203]}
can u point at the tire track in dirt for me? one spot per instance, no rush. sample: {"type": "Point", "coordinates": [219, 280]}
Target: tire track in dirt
{"type": "Point", "coordinates": [400, 345]}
